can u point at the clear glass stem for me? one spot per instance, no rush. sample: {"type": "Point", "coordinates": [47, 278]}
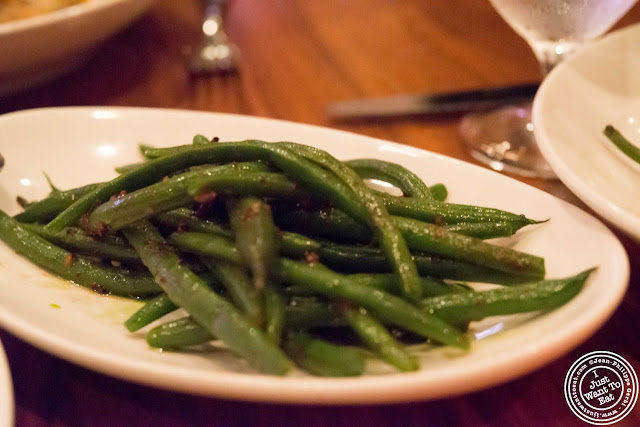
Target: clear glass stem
{"type": "Point", "coordinates": [551, 53]}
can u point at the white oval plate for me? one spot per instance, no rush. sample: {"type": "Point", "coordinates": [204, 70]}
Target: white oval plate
{"type": "Point", "coordinates": [81, 145]}
{"type": "Point", "coordinates": [32, 52]}
{"type": "Point", "coordinates": [596, 87]}
{"type": "Point", "coordinates": [6, 392]}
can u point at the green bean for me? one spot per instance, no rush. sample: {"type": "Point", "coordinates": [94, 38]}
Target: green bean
{"type": "Point", "coordinates": [184, 219]}
{"type": "Point", "coordinates": [352, 258]}
{"type": "Point", "coordinates": [211, 311]}
{"type": "Point", "coordinates": [76, 269]}
{"type": "Point", "coordinates": [146, 151]}
{"type": "Point", "coordinates": [388, 283]}
{"type": "Point", "coordinates": [204, 244]}
{"type": "Point", "coordinates": [471, 306]}
{"type": "Point", "coordinates": [163, 196]}
{"type": "Point", "coordinates": [179, 333]}
{"type": "Point", "coordinates": [386, 307]}
{"type": "Point", "coordinates": [76, 240]}
{"type": "Point", "coordinates": [128, 167]}
{"type": "Point", "coordinates": [481, 230]}
{"type": "Point", "coordinates": [257, 238]}
{"type": "Point", "coordinates": [314, 178]}
{"type": "Point", "coordinates": [258, 244]}
{"type": "Point", "coordinates": [151, 311]}
{"type": "Point", "coordinates": [409, 183]}
{"type": "Point", "coordinates": [305, 314]}
{"type": "Point", "coordinates": [622, 143]}
{"type": "Point", "coordinates": [275, 312]}
{"type": "Point", "coordinates": [334, 224]}
{"type": "Point", "coordinates": [24, 203]}
{"type": "Point", "coordinates": [439, 192]}
{"type": "Point", "coordinates": [311, 313]}
{"type": "Point", "coordinates": [47, 208]}
{"type": "Point", "coordinates": [327, 223]}
{"type": "Point", "coordinates": [378, 339]}
{"type": "Point", "coordinates": [321, 358]}
{"type": "Point", "coordinates": [443, 213]}
{"type": "Point", "coordinates": [244, 295]}
{"type": "Point", "coordinates": [426, 210]}
{"type": "Point", "coordinates": [433, 239]}
{"type": "Point", "coordinates": [391, 242]}
{"type": "Point", "coordinates": [200, 140]}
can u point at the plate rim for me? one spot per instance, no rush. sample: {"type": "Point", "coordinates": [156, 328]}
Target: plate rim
{"type": "Point", "coordinates": [262, 386]}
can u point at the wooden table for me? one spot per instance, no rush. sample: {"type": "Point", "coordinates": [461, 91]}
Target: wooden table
{"type": "Point", "coordinates": [298, 56]}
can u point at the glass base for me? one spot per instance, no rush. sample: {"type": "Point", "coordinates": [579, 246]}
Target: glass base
{"type": "Point", "coordinates": [503, 139]}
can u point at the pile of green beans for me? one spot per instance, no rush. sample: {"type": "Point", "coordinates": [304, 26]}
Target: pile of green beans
{"type": "Point", "coordinates": [285, 255]}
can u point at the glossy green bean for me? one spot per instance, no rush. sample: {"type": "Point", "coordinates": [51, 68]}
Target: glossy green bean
{"type": "Point", "coordinates": [218, 247]}
{"type": "Point", "coordinates": [439, 191]}
{"type": "Point", "coordinates": [430, 286]}
{"type": "Point", "coordinates": [389, 238]}
{"type": "Point", "coordinates": [257, 238]}
{"type": "Point", "coordinates": [378, 339]}
{"type": "Point", "coordinates": [541, 295]}
{"type": "Point", "coordinates": [334, 224]}
{"type": "Point", "coordinates": [295, 314]}
{"type": "Point", "coordinates": [307, 313]}
{"type": "Point", "coordinates": [47, 209]}
{"type": "Point", "coordinates": [211, 311]}
{"type": "Point", "coordinates": [77, 241]}
{"type": "Point", "coordinates": [128, 167]}
{"type": "Point", "coordinates": [322, 358]}
{"type": "Point", "coordinates": [623, 144]}
{"type": "Point", "coordinates": [313, 177]}
{"type": "Point", "coordinates": [175, 334]}
{"type": "Point", "coordinates": [409, 183]}
{"type": "Point", "coordinates": [242, 292]}
{"type": "Point", "coordinates": [167, 195]}
{"type": "Point", "coordinates": [275, 312]}
{"type": "Point", "coordinates": [363, 259]}
{"type": "Point", "coordinates": [443, 213]}
{"type": "Point", "coordinates": [200, 140]}
{"type": "Point", "coordinates": [386, 307]}
{"type": "Point", "coordinates": [184, 219]}
{"type": "Point", "coordinates": [435, 240]}
{"type": "Point", "coordinates": [79, 270]}
{"type": "Point", "coordinates": [151, 311]}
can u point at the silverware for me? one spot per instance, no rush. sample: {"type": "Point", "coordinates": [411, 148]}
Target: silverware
{"type": "Point", "coordinates": [215, 54]}
{"type": "Point", "coordinates": [431, 104]}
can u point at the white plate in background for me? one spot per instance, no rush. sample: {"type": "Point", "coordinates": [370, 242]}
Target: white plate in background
{"type": "Point", "coordinates": [43, 47]}
{"type": "Point", "coordinates": [76, 146]}
{"type": "Point", "coordinates": [594, 88]}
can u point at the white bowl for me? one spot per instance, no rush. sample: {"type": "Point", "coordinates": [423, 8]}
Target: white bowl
{"type": "Point", "coordinates": [43, 47]}
{"type": "Point", "coordinates": [594, 88]}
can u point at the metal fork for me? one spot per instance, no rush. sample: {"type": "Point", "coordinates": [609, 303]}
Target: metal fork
{"type": "Point", "coordinates": [215, 54]}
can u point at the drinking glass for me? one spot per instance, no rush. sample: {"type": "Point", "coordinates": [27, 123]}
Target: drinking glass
{"type": "Point", "coordinates": [503, 139]}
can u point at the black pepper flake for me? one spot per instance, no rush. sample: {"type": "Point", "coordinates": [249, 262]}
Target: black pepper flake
{"type": "Point", "coordinates": [96, 287]}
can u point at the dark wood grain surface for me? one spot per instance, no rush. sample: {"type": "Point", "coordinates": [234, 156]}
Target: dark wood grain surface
{"type": "Point", "coordinates": [298, 56]}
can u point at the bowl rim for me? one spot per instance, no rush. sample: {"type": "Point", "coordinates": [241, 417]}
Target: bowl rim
{"type": "Point", "coordinates": [57, 16]}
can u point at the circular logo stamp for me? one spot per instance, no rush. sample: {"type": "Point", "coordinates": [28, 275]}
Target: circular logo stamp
{"type": "Point", "coordinates": [601, 388]}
